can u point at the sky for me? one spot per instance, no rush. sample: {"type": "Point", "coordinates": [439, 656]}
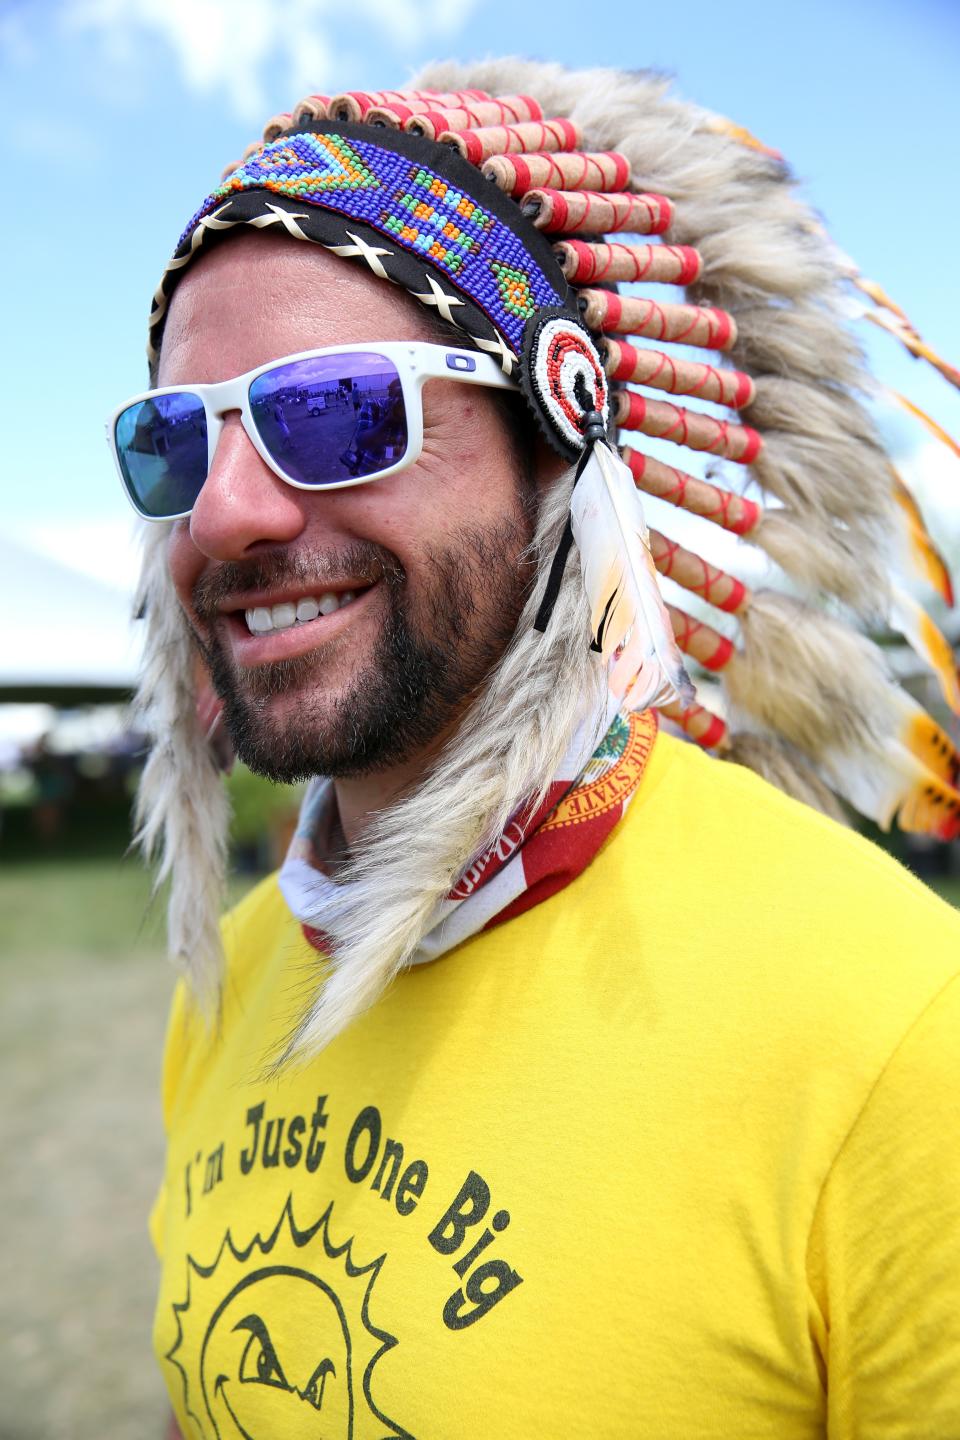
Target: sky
{"type": "Point", "coordinates": [118, 116]}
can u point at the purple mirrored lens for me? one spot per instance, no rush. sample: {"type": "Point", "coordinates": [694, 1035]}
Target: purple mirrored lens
{"type": "Point", "coordinates": [162, 448]}
{"type": "Point", "coordinates": [331, 418]}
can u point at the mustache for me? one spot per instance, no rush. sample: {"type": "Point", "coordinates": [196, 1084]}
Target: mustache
{"type": "Point", "coordinates": [315, 570]}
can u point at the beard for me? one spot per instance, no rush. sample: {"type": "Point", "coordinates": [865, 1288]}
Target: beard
{"type": "Point", "coordinates": [431, 656]}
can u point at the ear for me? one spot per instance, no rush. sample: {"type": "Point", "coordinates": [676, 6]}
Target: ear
{"type": "Point", "coordinates": [548, 466]}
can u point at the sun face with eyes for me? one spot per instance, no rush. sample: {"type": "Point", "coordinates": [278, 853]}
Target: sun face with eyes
{"type": "Point", "coordinates": [276, 1360]}
{"type": "Point", "coordinates": [275, 1339]}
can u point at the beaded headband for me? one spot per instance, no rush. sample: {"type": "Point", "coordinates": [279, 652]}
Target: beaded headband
{"type": "Point", "coordinates": [417, 212]}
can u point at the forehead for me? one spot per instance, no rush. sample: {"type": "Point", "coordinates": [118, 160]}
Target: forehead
{"type": "Point", "coordinates": [256, 297]}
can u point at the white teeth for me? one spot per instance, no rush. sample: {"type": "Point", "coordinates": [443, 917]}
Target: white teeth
{"type": "Point", "coordinates": [284, 616]}
{"type": "Point", "coordinates": [262, 619]}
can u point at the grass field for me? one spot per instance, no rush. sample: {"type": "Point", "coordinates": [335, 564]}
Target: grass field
{"type": "Point", "coordinates": [84, 989]}
{"type": "Point", "coordinates": [83, 994]}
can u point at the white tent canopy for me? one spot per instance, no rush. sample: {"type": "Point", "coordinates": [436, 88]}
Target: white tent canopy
{"type": "Point", "coordinates": [65, 630]}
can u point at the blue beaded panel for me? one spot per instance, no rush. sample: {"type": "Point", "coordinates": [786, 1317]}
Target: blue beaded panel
{"type": "Point", "coordinates": [409, 203]}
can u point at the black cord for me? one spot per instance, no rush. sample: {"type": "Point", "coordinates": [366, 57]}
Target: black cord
{"type": "Point", "coordinates": [594, 433]}
{"type": "Point", "coordinates": [557, 567]}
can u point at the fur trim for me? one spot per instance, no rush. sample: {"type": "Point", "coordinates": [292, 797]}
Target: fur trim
{"type": "Point", "coordinates": [182, 814]}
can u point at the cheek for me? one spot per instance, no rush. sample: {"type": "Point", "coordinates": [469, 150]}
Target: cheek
{"type": "Point", "coordinates": [468, 458]}
{"type": "Point", "coordinates": [465, 477]}
{"type": "Point", "coordinates": [464, 422]}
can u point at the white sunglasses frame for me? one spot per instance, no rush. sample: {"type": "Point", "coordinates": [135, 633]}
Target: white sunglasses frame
{"type": "Point", "coordinates": [416, 362]}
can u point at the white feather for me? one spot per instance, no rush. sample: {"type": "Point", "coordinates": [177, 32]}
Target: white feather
{"type": "Point", "coordinates": [886, 783]}
{"type": "Point", "coordinates": [927, 642]}
{"type": "Point", "coordinates": [627, 612]}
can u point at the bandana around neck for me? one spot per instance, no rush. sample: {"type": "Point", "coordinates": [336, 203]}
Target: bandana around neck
{"type": "Point", "coordinates": [539, 853]}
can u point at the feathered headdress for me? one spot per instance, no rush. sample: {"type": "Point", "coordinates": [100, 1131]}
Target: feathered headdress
{"type": "Point", "coordinates": [636, 263]}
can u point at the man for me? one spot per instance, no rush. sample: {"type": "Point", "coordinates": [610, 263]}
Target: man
{"type": "Point", "coordinates": [653, 1131]}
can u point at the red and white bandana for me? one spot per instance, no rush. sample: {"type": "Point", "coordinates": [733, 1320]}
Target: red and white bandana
{"type": "Point", "coordinates": [537, 855]}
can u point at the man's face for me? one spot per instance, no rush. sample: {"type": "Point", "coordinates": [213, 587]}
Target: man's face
{"type": "Point", "coordinates": [430, 555]}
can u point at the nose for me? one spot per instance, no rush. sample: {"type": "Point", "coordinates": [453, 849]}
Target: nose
{"type": "Point", "coordinates": [243, 504]}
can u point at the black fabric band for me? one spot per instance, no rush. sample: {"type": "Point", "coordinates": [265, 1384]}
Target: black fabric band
{"type": "Point", "coordinates": [554, 579]}
{"type": "Point", "coordinates": [559, 562]}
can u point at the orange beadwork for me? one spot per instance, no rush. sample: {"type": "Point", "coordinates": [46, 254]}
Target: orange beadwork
{"type": "Point", "coordinates": [697, 638]}
{"type": "Point", "coordinates": [700, 724]}
{"type": "Point", "coordinates": [703, 326]}
{"type": "Point", "coordinates": [583, 262]}
{"type": "Point", "coordinates": [700, 497]}
{"type": "Point", "coordinates": [694, 573]}
{"type": "Point", "coordinates": [576, 170]}
{"type": "Point", "coordinates": [592, 213]}
{"type": "Point", "coordinates": [664, 421]}
{"type": "Point", "coordinates": [679, 377]}
{"type": "Point", "coordinates": [479, 145]}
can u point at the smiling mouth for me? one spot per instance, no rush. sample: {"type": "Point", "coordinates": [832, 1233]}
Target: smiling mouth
{"type": "Point", "coordinates": [264, 619]}
{"type": "Point", "coordinates": [220, 1388]}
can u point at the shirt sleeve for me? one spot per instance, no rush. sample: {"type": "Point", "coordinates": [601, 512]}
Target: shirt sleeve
{"type": "Point", "coordinates": [884, 1251]}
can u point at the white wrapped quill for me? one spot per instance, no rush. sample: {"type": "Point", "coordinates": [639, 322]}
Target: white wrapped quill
{"type": "Point", "coordinates": [627, 612]}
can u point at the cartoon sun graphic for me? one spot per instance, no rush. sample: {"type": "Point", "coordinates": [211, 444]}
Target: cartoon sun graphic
{"type": "Point", "coordinates": [275, 1340]}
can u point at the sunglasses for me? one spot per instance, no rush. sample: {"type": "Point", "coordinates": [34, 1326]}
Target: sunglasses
{"type": "Point", "coordinates": [322, 420]}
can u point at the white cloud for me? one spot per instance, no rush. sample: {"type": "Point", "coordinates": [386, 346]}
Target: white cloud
{"type": "Point", "coordinates": [227, 45]}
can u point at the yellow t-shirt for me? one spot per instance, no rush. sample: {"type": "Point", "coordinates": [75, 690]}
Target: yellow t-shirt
{"type": "Point", "coordinates": [675, 1154]}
